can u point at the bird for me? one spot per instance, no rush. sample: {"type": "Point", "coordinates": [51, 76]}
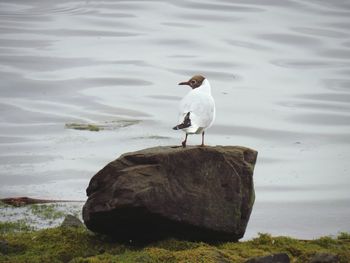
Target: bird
{"type": "Point", "coordinates": [196, 109]}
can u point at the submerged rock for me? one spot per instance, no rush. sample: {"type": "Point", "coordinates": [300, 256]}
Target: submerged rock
{"type": "Point", "coordinates": [324, 258]}
{"type": "Point", "coordinates": [274, 258]}
{"type": "Point", "coordinates": [4, 247]}
{"type": "Point", "coordinates": [195, 193]}
{"type": "Point", "coordinates": [71, 221]}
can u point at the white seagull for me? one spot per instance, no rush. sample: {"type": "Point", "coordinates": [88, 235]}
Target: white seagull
{"type": "Point", "coordinates": [197, 108]}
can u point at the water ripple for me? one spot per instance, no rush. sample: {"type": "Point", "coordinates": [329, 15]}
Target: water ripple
{"type": "Point", "coordinates": [276, 134]}
{"type": "Point", "coordinates": [308, 64]}
{"type": "Point", "coordinates": [219, 7]}
{"type": "Point", "coordinates": [25, 18]}
{"type": "Point", "coordinates": [165, 97]}
{"type": "Point", "coordinates": [176, 42]}
{"type": "Point", "coordinates": [291, 39]}
{"type": "Point", "coordinates": [218, 64]}
{"type": "Point", "coordinates": [320, 106]}
{"type": "Point", "coordinates": [68, 32]}
{"type": "Point", "coordinates": [265, 3]}
{"type": "Point", "coordinates": [25, 43]}
{"type": "Point", "coordinates": [320, 32]}
{"type": "Point", "coordinates": [324, 119]}
{"type": "Point", "coordinates": [247, 44]}
{"type": "Point", "coordinates": [331, 97]}
{"type": "Point", "coordinates": [337, 84]}
{"type": "Point", "coordinates": [44, 64]}
{"type": "Point", "coordinates": [336, 53]}
{"type": "Point", "coordinates": [208, 73]}
{"type": "Point", "coordinates": [178, 24]}
{"type": "Point", "coordinates": [198, 17]}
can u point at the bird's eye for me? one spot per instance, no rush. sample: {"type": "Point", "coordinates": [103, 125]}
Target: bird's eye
{"type": "Point", "coordinates": [193, 82]}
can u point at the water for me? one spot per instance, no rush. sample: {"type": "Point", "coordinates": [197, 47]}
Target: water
{"type": "Point", "coordinates": [280, 77]}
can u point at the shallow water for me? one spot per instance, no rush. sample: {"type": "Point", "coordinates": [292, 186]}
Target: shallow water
{"type": "Point", "coordinates": [279, 71]}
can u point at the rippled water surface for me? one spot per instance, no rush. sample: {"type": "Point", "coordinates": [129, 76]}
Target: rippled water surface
{"type": "Point", "coordinates": [279, 70]}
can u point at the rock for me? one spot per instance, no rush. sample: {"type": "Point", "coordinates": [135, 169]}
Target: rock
{"type": "Point", "coordinates": [274, 258]}
{"type": "Point", "coordinates": [71, 221]}
{"type": "Point", "coordinates": [195, 193]}
{"type": "Point", "coordinates": [324, 258]}
{"type": "Point", "coordinates": [4, 247]}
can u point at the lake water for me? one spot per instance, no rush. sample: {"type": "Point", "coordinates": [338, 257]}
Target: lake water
{"type": "Point", "coordinates": [280, 75]}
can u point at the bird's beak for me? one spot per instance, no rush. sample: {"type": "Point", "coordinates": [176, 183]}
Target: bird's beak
{"type": "Point", "coordinates": [184, 83]}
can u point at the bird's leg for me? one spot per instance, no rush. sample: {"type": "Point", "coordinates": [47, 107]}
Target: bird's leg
{"type": "Point", "coordinates": [202, 145]}
{"type": "Point", "coordinates": [184, 142]}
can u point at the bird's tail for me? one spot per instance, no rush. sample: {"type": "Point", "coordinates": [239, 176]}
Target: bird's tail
{"type": "Point", "coordinates": [185, 124]}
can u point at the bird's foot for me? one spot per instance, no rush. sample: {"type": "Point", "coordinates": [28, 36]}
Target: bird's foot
{"type": "Point", "coordinates": [184, 144]}
{"type": "Point", "coordinates": [202, 145]}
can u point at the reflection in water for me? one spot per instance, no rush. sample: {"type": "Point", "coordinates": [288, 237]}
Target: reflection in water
{"type": "Point", "coordinates": [280, 77]}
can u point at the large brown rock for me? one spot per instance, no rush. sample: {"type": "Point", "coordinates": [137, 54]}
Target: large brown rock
{"type": "Point", "coordinates": [195, 193]}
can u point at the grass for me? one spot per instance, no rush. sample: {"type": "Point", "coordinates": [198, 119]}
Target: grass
{"type": "Point", "coordinates": [77, 245]}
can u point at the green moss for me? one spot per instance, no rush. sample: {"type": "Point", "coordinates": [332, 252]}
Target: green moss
{"type": "Point", "coordinates": [44, 211]}
{"type": "Point", "coordinates": [177, 245]}
{"type": "Point", "coordinates": [344, 236]}
{"type": "Point", "coordinates": [78, 245]}
{"type": "Point", "coordinates": [15, 226]}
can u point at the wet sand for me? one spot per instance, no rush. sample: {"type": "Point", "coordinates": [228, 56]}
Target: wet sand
{"type": "Point", "coordinates": [279, 73]}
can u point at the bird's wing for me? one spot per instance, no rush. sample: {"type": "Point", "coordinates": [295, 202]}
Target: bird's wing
{"type": "Point", "coordinates": [201, 106]}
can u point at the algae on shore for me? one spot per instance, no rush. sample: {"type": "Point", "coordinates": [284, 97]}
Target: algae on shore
{"type": "Point", "coordinates": [75, 245]}
{"type": "Point", "coordinates": [35, 216]}
{"type": "Point", "coordinates": [83, 126]}
{"type": "Point", "coordinates": [21, 241]}
{"type": "Point", "coordinates": [111, 125]}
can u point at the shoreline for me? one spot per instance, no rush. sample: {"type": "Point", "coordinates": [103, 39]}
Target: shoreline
{"type": "Point", "coordinates": [77, 244]}
{"type": "Point", "coordinates": [51, 213]}
{"type": "Point", "coordinates": [40, 237]}
{"type": "Point", "coordinates": [24, 200]}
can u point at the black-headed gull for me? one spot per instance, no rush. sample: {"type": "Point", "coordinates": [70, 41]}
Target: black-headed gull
{"type": "Point", "coordinates": [197, 108]}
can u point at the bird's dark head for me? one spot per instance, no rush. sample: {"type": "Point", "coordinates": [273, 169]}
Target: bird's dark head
{"type": "Point", "coordinates": [195, 82]}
